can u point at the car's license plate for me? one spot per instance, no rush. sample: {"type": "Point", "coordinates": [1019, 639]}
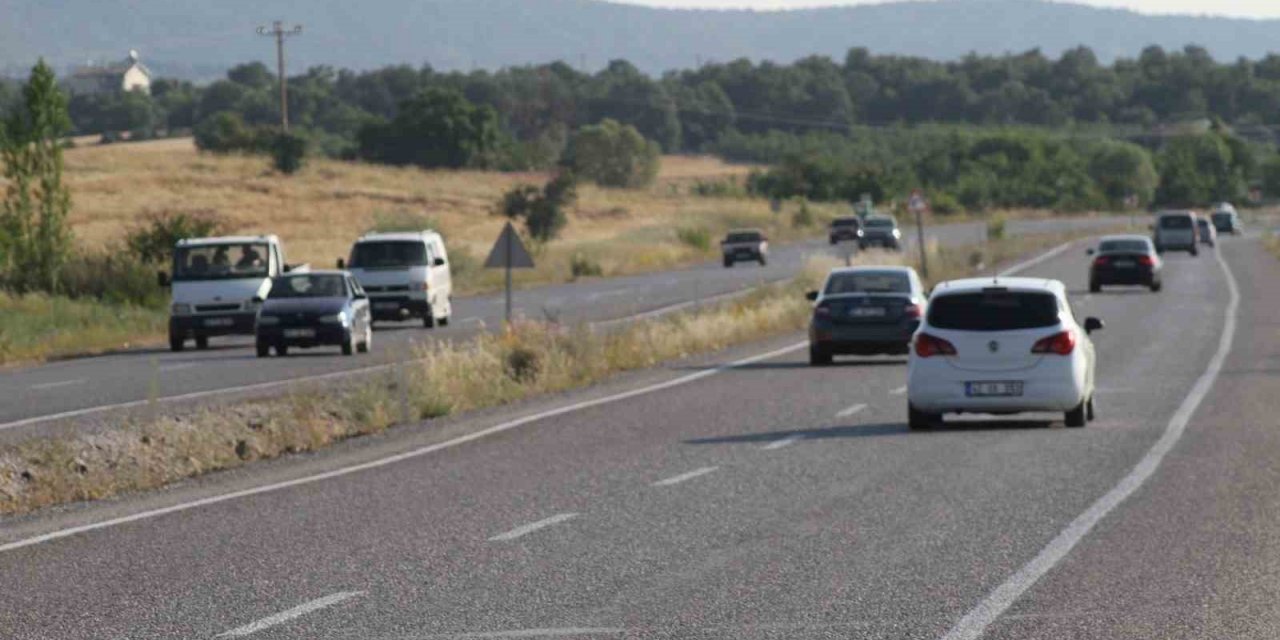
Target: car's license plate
{"type": "Point", "coordinates": [386, 305]}
{"type": "Point", "coordinates": [992, 389]}
{"type": "Point", "coordinates": [299, 333]}
{"type": "Point", "coordinates": [868, 312]}
{"type": "Point", "coordinates": [218, 322]}
{"type": "Point", "coordinates": [1125, 264]}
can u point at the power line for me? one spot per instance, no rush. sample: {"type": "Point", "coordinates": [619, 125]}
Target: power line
{"type": "Point", "coordinates": [278, 32]}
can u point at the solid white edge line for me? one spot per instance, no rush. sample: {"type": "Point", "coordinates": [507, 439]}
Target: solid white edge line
{"type": "Point", "coordinates": [845, 413]}
{"type": "Point", "coordinates": [1027, 264]}
{"type": "Point", "coordinates": [661, 311]}
{"type": "Point", "coordinates": [684, 476]}
{"type": "Point", "coordinates": [285, 616]}
{"type": "Point", "coordinates": [54, 385]}
{"type": "Point", "coordinates": [538, 633]}
{"type": "Point", "coordinates": [407, 455]}
{"type": "Point", "coordinates": [898, 391]}
{"type": "Point", "coordinates": [532, 526]}
{"type": "Point", "coordinates": [976, 621]}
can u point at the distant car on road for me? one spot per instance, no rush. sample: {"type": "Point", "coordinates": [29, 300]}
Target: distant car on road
{"type": "Point", "coordinates": [1125, 259]}
{"type": "Point", "coordinates": [745, 245]}
{"type": "Point", "coordinates": [1176, 231]}
{"type": "Point", "coordinates": [845, 229]}
{"type": "Point", "coordinates": [1002, 346]}
{"type": "Point", "coordinates": [313, 309]}
{"type": "Point", "coordinates": [880, 231]}
{"type": "Point", "coordinates": [1226, 219]}
{"type": "Point", "coordinates": [406, 275]}
{"type": "Point", "coordinates": [865, 311]}
{"type": "Point", "coordinates": [1205, 230]}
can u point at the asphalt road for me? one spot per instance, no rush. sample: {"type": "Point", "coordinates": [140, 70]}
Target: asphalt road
{"type": "Point", "coordinates": [31, 396]}
{"type": "Point", "coordinates": [768, 500]}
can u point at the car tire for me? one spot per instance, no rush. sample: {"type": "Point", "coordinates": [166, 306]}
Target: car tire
{"type": "Point", "coordinates": [366, 344]}
{"type": "Point", "coordinates": [1075, 418]}
{"type": "Point", "coordinates": [349, 344]}
{"type": "Point", "coordinates": [1091, 412]}
{"type": "Point", "coordinates": [1156, 286]}
{"type": "Point", "coordinates": [202, 342]}
{"type": "Point", "coordinates": [819, 357]}
{"type": "Point", "coordinates": [1094, 287]}
{"type": "Point", "coordinates": [264, 349]}
{"type": "Point", "coordinates": [429, 320]}
{"type": "Point", "coordinates": [282, 350]}
{"type": "Point", "coordinates": [1195, 252]}
{"type": "Point", "coordinates": [763, 261]}
{"type": "Point", "coordinates": [728, 263]}
{"type": "Point", "coordinates": [176, 343]}
{"type": "Point", "coordinates": [918, 420]}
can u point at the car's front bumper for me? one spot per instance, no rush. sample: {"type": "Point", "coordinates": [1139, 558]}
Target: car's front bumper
{"type": "Point", "coordinates": [399, 307]}
{"type": "Point", "coordinates": [303, 336]}
{"type": "Point", "coordinates": [213, 324]}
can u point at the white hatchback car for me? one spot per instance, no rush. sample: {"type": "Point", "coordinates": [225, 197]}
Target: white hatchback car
{"type": "Point", "coordinates": [1001, 346]}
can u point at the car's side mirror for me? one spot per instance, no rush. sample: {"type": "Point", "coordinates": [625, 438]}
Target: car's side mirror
{"type": "Point", "coordinates": [439, 262]}
{"type": "Point", "coordinates": [1092, 324]}
{"type": "Point", "coordinates": [342, 264]}
{"type": "Point", "coordinates": [811, 296]}
{"type": "Point", "coordinates": [1090, 251]}
{"type": "Point", "coordinates": [162, 279]}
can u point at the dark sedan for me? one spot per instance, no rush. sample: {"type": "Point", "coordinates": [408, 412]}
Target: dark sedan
{"type": "Point", "coordinates": [865, 311]}
{"type": "Point", "coordinates": [880, 231]}
{"type": "Point", "coordinates": [314, 309]}
{"type": "Point", "coordinates": [1125, 260]}
{"type": "Point", "coordinates": [845, 229]}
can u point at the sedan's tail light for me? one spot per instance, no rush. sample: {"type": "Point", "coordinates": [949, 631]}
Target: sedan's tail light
{"type": "Point", "coordinates": [928, 346]}
{"type": "Point", "coordinates": [822, 310]}
{"type": "Point", "coordinates": [913, 311]}
{"type": "Point", "coordinates": [1146, 261]}
{"type": "Point", "coordinates": [1062, 343]}
{"type": "Point", "coordinates": [1100, 261]}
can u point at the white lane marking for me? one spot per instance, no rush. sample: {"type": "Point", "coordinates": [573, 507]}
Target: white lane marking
{"type": "Point", "coordinates": [285, 616]}
{"type": "Point", "coordinates": [399, 457]}
{"type": "Point", "coordinates": [845, 413]}
{"type": "Point", "coordinates": [975, 623]}
{"type": "Point", "coordinates": [539, 633]}
{"type": "Point", "coordinates": [533, 526]}
{"type": "Point", "coordinates": [177, 367]}
{"type": "Point", "coordinates": [684, 476]}
{"type": "Point", "coordinates": [1027, 264]}
{"type": "Point", "coordinates": [785, 442]}
{"type": "Point", "coordinates": [55, 385]}
{"type": "Point", "coordinates": [898, 391]}
{"type": "Point", "coordinates": [470, 319]}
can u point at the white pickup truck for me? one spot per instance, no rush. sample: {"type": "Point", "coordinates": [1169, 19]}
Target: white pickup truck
{"type": "Point", "coordinates": [218, 285]}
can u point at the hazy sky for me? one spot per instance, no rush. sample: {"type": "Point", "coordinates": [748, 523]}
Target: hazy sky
{"type": "Point", "coordinates": [1238, 8]}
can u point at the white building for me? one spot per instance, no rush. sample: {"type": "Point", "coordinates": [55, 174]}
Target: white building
{"type": "Point", "coordinates": [129, 75]}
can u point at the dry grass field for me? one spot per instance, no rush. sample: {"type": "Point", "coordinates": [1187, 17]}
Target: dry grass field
{"type": "Point", "coordinates": [322, 209]}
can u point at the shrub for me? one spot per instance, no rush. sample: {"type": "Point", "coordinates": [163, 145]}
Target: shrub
{"type": "Point", "coordinates": [541, 209]}
{"type": "Point", "coordinates": [996, 228]}
{"type": "Point", "coordinates": [696, 237]}
{"type": "Point", "coordinates": [583, 267]}
{"type": "Point", "coordinates": [117, 276]}
{"type": "Point", "coordinates": [153, 243]}
{"type": "Point", "coordinates": [224, 132]}
{"type": "Point", "coordinates": [288, 152]}
{"type": "Point", "coordinates": [944, 204]}
{"type": "Point", "coordinates": [803, 216]}
{"type": "Point", "coordinates": [727, 188]}
{"type": "Point", "coordinates": [613, 155]}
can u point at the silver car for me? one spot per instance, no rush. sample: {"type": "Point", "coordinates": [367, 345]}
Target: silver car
{"type": "Point", "coordinates": [1176, 231]}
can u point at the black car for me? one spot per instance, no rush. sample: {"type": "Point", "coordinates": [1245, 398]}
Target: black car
{"type": "Point", "coordinates": [880, 231]}
{"type": "Point", "coordinates": [1121, 260]}
{"type": "Point", "coordinates": [846, 229]}
{"type": "Point", "coordinates": [313, 309]}
{"type": "Point", "coordinates": [865, 311]}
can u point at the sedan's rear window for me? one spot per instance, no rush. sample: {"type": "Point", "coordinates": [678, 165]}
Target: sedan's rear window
{"type": "Point", "coordinates": [845, 222]}
{"type": "Point", "coordinates": [1129, 246]}
{"type": "Point", "coordinates": [872, 282]}
{"type": "Point", "coordinates": [880, 223]}
{"type": "Point", "coordinates": [996, 310]}
{"type": "Point", "coordinates": [745, 236]}
{"type": "Point", "coordinates": [1175, 222]}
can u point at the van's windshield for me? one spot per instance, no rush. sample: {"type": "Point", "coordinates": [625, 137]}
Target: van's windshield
{"type": "Point", "coordinates": [391, 254]}
{"type": "Point", "coordinates": [220, 261]}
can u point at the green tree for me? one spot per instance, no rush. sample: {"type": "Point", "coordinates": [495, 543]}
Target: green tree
{"type": "Point", "coordinates": [436, 128]}
{"type": "Point", "coordinates": [1196, 170]}
{"type": "Point", "coordinates": [35, 241]}
{"type": "Point", "coordinates": [612, 154]}
{"type": "Point", "coordinates": [224, 132]}
{"type": "Point", "coordinates": [1122, 170]}
{"type": "Point", "coordinates": [543, 210]}
{"type": "Point", "coordinates": [288, 152]}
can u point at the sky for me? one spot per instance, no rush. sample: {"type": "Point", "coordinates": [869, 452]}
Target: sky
{"type": "Point", "coordinates": [1234, 8]}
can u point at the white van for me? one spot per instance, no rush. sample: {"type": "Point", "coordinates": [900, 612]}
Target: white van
{"type": "Point", "coordinates": [405, 274]}
{"type": "Point", "coordinates": [218, 284]}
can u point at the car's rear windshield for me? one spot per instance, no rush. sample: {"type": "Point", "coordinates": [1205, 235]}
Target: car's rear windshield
{"type": "Point", "coordinates": [868, 282]}
{"type": "Point", "coordinates": [743, 236]}
{"type": "Point", "coordinates": [1221, 215]}
{"type": "Point", "coordinates": [389, 254]}
{"type": "Point", "coordinates": [1175, 222]}
{"type": "Point", "coordinates": [880, 223]}
{"type": "Point", "coordinates": [1117, 246]}
{"type": "Point", "coordinates": [308, 286]}
{"type": "Point", "coordinates": [844, 222]}
{"type": "Point", "coordinates": [993, 310]}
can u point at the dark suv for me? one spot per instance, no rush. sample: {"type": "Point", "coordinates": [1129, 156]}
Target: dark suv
{"type": "Point", "coordinates": [847, 229]}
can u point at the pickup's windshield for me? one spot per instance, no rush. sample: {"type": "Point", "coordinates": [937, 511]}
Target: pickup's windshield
{"type": "Point", "coordinates": [220, 261]}
{"type": "Point", "coordinates": [308, 286]}
{"type": "Point", "coordinates": [388, 255]}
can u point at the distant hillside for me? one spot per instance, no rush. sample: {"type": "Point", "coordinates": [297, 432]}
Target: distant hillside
{"type": "Point", "coordinates": [201, 38]}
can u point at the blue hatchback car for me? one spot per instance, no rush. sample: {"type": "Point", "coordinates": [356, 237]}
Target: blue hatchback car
{"type": "Point", "coordinates": [312, 309]}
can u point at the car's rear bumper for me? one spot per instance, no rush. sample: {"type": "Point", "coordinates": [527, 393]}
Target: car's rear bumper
{"type": "Point", "coordinates": [1136, 276]}
{"type": "Point", "coordinates": [866, 339]}
{"type": "Point", "coordinates": [213, 324]}
{"type": "Point", "coordinates": [1050, 386]}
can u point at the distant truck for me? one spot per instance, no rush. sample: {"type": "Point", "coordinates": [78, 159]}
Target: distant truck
{"type": "Point", "coordinates": [218, 285]}
{"type": "Point", "coordinates": [741, 245]}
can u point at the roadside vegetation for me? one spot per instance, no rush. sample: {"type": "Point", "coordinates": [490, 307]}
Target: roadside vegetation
{"type": "Point", "coordinates": [447, 378]}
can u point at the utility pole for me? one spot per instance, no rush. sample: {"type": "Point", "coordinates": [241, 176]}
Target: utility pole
{"type": "Point", "coordinates": [278, 32]}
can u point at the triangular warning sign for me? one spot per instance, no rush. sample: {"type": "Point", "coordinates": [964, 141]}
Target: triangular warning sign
{"type": "Point", "coordinates": [509, 251]}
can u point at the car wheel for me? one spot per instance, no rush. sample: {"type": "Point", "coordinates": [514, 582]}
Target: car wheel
{"type": "Point", "coordinates": [282, 350]}
{"type": "Point", "coordinates": [728, 263]}
{"type": "Point", "coordinates": [764, 261]}
{"type": "Point", "coordinates": [1094, 287]}
{"type": "Point", "coordinates": [202, 342]}
{"type": "Point", "coordinates": [367, 343]}
{"type": "Point", "coordinates": [920, 420]}
{"type": "Point", "coordinates": [1195, 252]}
{"type": "Point", "coordinates": [1076, 416]}
{"type": "Point", "coordinates": [429, 320]}
{"type": "Point", "coordinates": [349, 344]}
{"type": "Point", "coordinates": [1156, 286]}
{"type": "Point", "coordinates": [819, 357]}
{"type": "Point", "coordinates": [176, 343]}
{"type": "Point", "coordinates": [1091, 410]}
{"type": "Point", "coordinates": [264, 349]}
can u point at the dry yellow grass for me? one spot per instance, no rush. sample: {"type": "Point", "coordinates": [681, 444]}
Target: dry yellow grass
{"type": "Point", "coordinates": [322, 209]}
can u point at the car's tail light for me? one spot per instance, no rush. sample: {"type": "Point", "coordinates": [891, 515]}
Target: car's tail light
{"type": "Point", "coordinates": [1100, 261]}
{"type": "Point", "coordinates": [913, 311]}
{"type": "Point", "coordinates": [822, 310]}
{"type": "Point", "coordinates": [1062, 343]}
{"type": "Point", "coordinates": [1146, 261]}
{"type": "Point", "coordinates": [928, 346]}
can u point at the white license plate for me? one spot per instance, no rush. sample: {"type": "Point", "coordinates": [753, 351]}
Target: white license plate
{"type": "Point", "coordinates": [218, 322]}
{"type": "Point", "coordinates": [868, 312]}
{"type": "Point", "coordinates": [1126, 264]}
{"type": "Point", "coordinates": [386, 305]}
{"type": "Point", "coordinates": [299, 333]}
{"type": "Point", "coordinates": [992, 389]}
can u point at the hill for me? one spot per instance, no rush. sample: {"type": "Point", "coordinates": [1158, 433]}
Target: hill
{"type": "Point", "coordinates": [204, 38]}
